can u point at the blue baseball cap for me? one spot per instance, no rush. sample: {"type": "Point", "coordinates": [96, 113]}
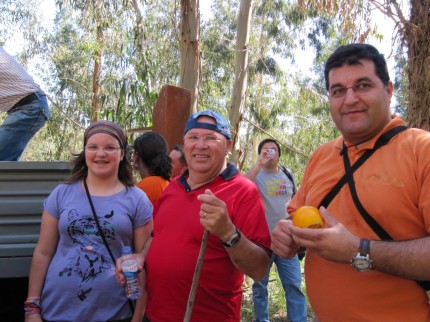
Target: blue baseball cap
{"type": "Point", "coordinates": [221, 125]}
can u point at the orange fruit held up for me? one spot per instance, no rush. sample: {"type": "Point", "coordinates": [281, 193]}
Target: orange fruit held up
{"type": "Point", "coordinates": [307, 217]}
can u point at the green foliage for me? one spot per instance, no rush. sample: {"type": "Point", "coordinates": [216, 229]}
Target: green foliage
{"type": "Point", "coordinates": [298, 118]}
{"type": "Point", "coordinates": [135, 64]}
{"type": "Point", "coordinates": [18, 15]}
{"type": "Point", "coordinates": [218, 48]}
{"type": "Point", "coordinates": [401, 85]}
{"type": "Point", "coordinates": [141, 54]}
{"type": "Point", "coordinates": [291, 108]}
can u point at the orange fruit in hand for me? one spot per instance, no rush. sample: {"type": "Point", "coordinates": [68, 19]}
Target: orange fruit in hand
{"type": "Point", "coordinates": [307, 217]}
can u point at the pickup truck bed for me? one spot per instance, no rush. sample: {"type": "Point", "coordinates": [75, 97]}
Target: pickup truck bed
{"type": "Point", "coordinates": [23, 188]}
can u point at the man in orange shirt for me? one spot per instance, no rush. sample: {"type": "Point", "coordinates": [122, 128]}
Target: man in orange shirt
{"type": "Point", "coordinates": [351, 274]}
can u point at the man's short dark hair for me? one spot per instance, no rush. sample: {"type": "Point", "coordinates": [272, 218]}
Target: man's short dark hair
{"type": "Point", "coordinates": [351, 55]}
{"type": "Point", "coordinates": [180, 149]}
{"type": "Point", "coordinates": [260, 146]}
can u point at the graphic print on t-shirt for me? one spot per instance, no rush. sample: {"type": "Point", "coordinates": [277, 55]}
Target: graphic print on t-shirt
{"type": "Point", "coordinates": [91, 258]}
{"type": "Point", "coordinates": [276, 187]}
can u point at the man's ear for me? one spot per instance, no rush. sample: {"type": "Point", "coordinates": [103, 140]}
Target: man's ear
{"type": "Point", "coordinates": [229, 144]}
{"type": "Point", "coordinates": [390, 88]}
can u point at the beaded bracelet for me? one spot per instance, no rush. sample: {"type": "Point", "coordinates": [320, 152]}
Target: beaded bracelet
{"type": "Point", "coordinates": [32, 299]}
{"type": "Point", "coordinates": [32, 312]}
{"type": "Point", "coordinates": [32, 306]}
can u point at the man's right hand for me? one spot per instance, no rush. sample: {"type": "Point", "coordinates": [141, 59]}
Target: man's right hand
{"type": "Point", "coordinates": [264, 157]}
{"type": "Point", "coordinates": [282, 240]}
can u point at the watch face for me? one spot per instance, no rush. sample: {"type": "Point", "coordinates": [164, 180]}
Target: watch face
{"type": "Point", "coordinates": [361, 263]}
{"type": "Point", "coordinates": [234, 240]}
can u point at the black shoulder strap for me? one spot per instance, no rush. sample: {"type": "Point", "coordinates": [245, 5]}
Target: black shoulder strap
{"type": "Point", "coordinates": [383, 140]}
{"type": "Point", "coordinates": [376, 227]}
{"type": "Point", "coordinates": [102, 235]}
{"type": "Point", "coordinates": [96, 220]}
{"type": "Point", "coordinates": [290, 176]}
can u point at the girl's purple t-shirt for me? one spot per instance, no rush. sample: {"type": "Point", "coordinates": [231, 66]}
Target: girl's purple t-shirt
{"type": "Point", "coordinates": [80, 284]}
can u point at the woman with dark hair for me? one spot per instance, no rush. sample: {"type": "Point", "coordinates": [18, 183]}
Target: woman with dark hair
{"type": "Point", "coordinates": [150, 159]}
{"type": "Point", "coordinates": [85, 223]}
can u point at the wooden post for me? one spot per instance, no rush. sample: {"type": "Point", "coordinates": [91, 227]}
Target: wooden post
{"type": "Point", "coordinates": [170, 114]}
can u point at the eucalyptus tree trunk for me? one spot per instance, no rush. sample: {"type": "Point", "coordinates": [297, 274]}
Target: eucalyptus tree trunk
{"type": "Point", "coordinates": [241, 76]}
{"type": "Point", "coordinates": [139, 24]}
{"type": "Point", "coordinates": [98, 58]}
{"type": "Point", "coordinates": [417, 36]}
{"type": "Point", "coordinates": [190, 75]}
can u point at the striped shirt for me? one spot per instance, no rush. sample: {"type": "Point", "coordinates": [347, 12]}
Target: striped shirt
{"type": "Point", "coordinates": [15, 82]}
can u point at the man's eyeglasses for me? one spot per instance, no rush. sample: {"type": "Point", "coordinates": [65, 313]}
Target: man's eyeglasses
{"type": "Point", "coordinates": [207, 139]}
{"type": "Point", "coordinates": [358, 89]}
{"type": "Point", "coordinates": [106, 149]}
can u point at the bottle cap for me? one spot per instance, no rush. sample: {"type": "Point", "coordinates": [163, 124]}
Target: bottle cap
{"type": "Point", "coordinates": [126, 250]}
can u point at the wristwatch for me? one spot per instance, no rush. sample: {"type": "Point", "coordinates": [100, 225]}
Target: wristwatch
{"type": "Point", "coordinates": [362, 261]}
{"type": "Point", "coordinates": [234, 239]}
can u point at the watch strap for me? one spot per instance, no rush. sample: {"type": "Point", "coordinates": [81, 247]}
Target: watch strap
{"type": "Point", "coordinates": [362, 262]}
{"type": "Point", "coordinates": [364, 248]}
{"type": "Point", "coordinates": [234, 239]}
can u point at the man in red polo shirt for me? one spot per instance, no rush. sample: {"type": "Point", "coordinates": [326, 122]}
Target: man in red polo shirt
{"type": "Point", "coordinates": [211, 195]}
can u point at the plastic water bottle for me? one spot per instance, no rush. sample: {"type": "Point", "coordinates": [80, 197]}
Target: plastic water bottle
{"type": "Point", "coordinates": [129, 266]}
